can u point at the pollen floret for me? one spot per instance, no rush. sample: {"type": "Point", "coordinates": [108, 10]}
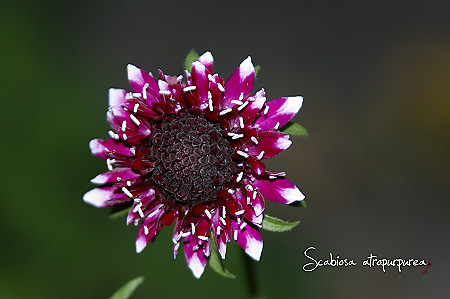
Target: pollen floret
{"type": "Point", "coordinates": [191, 153]}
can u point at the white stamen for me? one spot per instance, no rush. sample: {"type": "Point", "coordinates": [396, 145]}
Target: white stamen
{"type": "Point", "coordinates": [141, 214]}
{"type": "Point", "coordinates": [185, 234]}
{"type": "Point", "coordinates": [145, 230]}
{"type": "Point", "coordinates": [243, 154]}
{"type": "Point", "coordinates": [239, 212]}
{"type": "Point", "coordinates": [237, 136]}
{"type": "Point", "coordinates": [223, 221]}
{"type": "Point", "coordinates": [124, 125]}
{"type": "Point", "coordinates": [224, 212]}
{"type": "Point", "coordinates": [165, 92]}
{"type": "Point", "coordinates": [127, 192]}
{"type": "Point", "coordinates": [237, 102]}
{"type": "Point", "coordinates": [244, 224]}
{"type": "Point", "coordinates": [136, 222]}
{"type": "Point", "coordinates": [210, 102]}
{"type": "Point", "coordinates": [225, 111]}
{"type": "Point", "coordinates": [133, 151]}
{"type": "Point", "coordinates": [180, 77]}
{"type": "Point", "coordinates": [249, 187]}
{"type": "Point", "coordinates": [241, 96]}
{"type": "Point", "coordinates": [235, 235]}
{"type": "Point", "coordinates": [135, 108]}
{"type": "Point", "coordinates": [195, 247]}
{"type": "Point", "coordinates": [203, 238]}
{"type": "Point", "coordinates": [239, 177]}
{"type": "Point", "coordinates": [272, 177]}
{"type": "Point", "coordinates": [231, 191]}
{"type": "Point", "coordinates": [190, 88]}
{"type": "Point", "coordinates": [254, 194]}
{"type": "Point", "coordinates": [129, 96]}
{"type": "Point", "coordinates": [177, 245]}
{"type": "Point", "coordinates": [208, 214]}
{"type": "Point", "coordinates": [108, 164]}
{"type": "Point", "coordinates": [220, 87]}
{"type": "Point", "coordinates": [118, 179]}
{"type": "Point", "coordinates": [255, 141]}
{"type": "Point", "coordinates": [243, 106]}
{"type": "Point", "coordinates": [277, 125]}
{"type": "Point", "coordinates": [246, 149]}
{"type": "Point", "coordinates": [248, 200]}
{"type": "Point", "coordinates": [261, 155]}
{"type": "Point", "coordinates": [241, 122]}
{"type": "Point", "coordinates": [144, 90]}
{"type": "Point", "coordinates": [153, 213]}
{"type": "Point", "coordinates": [266, 110]}
{"type": "Point", "coordinates": [135, 120]}
{"type": "Point", "coordinates": [137, 199]}
{"type": "Point", "coordinates": [210, 77]}
{"type": "Point", "coordinates": [124, 136]}
{"type": "Point", "coordinates": [112, 134]}
{"type": "Point", "coordinates": [129, 183]}
{"type": "Point", "coordinates": [218, 230]}
{"type": "Point", "coordinates": [193, 228]}
{"type": "Point", "coordinates": [238, 221]}
{"type": "Point", "coordinates": [137, 95]}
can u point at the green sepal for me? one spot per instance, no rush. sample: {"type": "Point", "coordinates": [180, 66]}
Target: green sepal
{"type": "Point", "coordinates": [298, 204]}
{"type": "Point", "coordinates": [190, 58]}
{"type": "Point", "coordinates": [215, 262]}
{"type": "Point", "coordinates": [274, 224]}
{"type": "Point", "coordinates": [119, 211]}
{"type": "Point", "coordinates": [294, 129]}
{"type": "Point", "coordinates": [257, 68]}
{"type": "Point", "coordinates": [127, 289]}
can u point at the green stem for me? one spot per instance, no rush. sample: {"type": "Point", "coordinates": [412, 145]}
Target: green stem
{"type": "Point", "coordinates": [252, 279]}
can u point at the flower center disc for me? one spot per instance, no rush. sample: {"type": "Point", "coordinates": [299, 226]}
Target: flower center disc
{"type": "Point", "coordinates": [192, 159]}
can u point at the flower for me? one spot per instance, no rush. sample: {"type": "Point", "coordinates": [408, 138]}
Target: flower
{"type": "Point", "coordinates": [192, 153]}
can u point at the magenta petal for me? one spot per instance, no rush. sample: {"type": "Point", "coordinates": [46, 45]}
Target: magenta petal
{"type": "Point", "coordinates": [256, 103]}
{"type": "Point", "coordinates": [200, 79]}
{"type": "Point", "coordinates": [101, 147]}
{"type": "Point", "coordinates": [116, 97]}
{"type": "Point", "coordinates": [99, 196]}
{"type": "Point", "coordinates": [207, 60]}
{"type": "Point", "coordinates": [240, 82]}
{"type": "Point", "coordinates": [115, 175]}
{"type": "Point", "coordinates": [147, 231]}
{"type": "Point", "coordinates": [280, 112]}
{"type": "Point", "coordinates": [195, 258]}
{"type": "Point", "coordinates": [272, 143]}
{"type": "Point", "coordinates": [250, 240]}
{"type": "Point", "coordinates": [278, 190]}
{"type": "Point", "coordinates": [138, 80]}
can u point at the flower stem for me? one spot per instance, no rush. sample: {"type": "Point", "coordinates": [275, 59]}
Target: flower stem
{"type": "Point", "coordinates": [252, 279]}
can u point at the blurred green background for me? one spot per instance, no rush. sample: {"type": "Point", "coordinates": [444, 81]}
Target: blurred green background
{"type": "Point", "coordinates": [375, 169]}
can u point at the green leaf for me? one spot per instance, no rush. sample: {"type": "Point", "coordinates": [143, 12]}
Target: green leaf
{"type": "Point", "coordinates": [257, 68]}
{"type": "Point", "coordinates": [298, 204]}
{"type": "Point", "coordinates": [215, 262]}
{"type": "Point", "coordinates": [274, 224]}
{"type": "Point", "coordinates": [295, 129]}
{"type": "Point", "coordinates": [127, 289]}
{"type": "Point", "coordinates": [190, 58]}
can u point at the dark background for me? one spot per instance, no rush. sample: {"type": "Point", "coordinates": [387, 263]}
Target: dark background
{"type": "Point", "coordinates": [375, 170]}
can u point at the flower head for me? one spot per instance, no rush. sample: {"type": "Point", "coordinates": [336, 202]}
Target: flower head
{"type": "Point", "coordinates": [192, 153]}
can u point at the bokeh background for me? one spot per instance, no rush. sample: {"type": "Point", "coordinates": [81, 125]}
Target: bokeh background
{"type": "Point", "coordinates": [375, 169]}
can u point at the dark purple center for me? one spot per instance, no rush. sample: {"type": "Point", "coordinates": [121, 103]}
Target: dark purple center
{"type": "Point", "coordinates": [192, 159]}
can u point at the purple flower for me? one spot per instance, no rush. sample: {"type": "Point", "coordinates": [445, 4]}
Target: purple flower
{"type": "Point", "coordinates": [192, 153]}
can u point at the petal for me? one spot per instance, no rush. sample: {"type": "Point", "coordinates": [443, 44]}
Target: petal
{"type": "Point", "coordinates": [207, 60]}
{"type": "Point", "coordinates": [272, 143]}
{"type": "Point", "coordinates": [115, 175]}
{"type": "Point", "coordinates": [195, 258]}
{"type": "Point", "coordinates": [99, 197]}
{"type": "Point", "coordinates": [147, 231]}
{"type": "Point", "coordinates": [200, 79]}
{"type": "Point", "coordinates": [116, 97]}
{"type": "Point", "coordinates": [101, 148]}
{"type": "Point", "coordinates": [278, 190]}
{"type": "Point", "coordinates": [240, 82]}
{"type": "Point", "coordinates": [138, 79]}
{"type": "Point", "coordinates": [279, 113]}
{"type": "Point", "coordinates": [250, 240]}
{"type": "Point", "coordinates": [256, 103]}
